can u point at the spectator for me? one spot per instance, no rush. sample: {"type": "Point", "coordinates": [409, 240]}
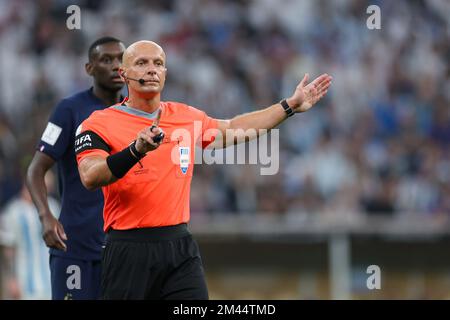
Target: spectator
{"type": "Point", "coordinates": [25, 253]}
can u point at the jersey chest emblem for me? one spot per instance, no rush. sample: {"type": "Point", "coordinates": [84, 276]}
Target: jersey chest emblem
{"type": "Point", "coordinates": [184, 158]}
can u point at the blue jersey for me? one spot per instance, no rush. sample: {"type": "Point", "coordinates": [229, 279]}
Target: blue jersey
{"type": "Point", "coordinates": [81, 210]}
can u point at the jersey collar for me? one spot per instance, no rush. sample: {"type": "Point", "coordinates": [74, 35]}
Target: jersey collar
{"type": "Point", "coordinates": [124, 108]}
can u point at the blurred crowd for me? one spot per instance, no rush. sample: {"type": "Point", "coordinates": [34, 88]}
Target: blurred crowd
{"type": "Point", "coordinates": [378, 144]}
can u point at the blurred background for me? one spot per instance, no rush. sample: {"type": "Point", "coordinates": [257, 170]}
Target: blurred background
{"type": "Point", "coordinates": [364, 177]}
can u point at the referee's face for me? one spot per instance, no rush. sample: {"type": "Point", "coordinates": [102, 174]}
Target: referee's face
{"type": "Point", "coordinates": [105, 66]}
{"type": "Point", "coordinates": [146, 60]}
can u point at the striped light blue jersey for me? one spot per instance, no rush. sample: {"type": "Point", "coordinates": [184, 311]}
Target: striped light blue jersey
{"type": "Point", "coordinates": [21, 229]}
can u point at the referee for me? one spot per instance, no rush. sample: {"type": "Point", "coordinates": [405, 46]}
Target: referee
{"type": "Point", "coordinates": [140, 152]}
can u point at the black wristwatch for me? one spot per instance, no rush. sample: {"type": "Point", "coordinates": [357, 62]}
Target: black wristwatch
{"type": "Point", "coordinates": [286, 108]}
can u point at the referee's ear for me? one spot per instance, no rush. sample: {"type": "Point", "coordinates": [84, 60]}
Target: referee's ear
{"type": "Point", "coordinates": [89, 68]}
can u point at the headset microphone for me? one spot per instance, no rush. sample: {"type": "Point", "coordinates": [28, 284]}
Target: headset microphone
{"type": "Point", "coordinates": [141, 81]}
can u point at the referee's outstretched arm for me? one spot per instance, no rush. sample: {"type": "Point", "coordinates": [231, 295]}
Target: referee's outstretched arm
{"type": "Point", "coordinates": [305, 96]}
{"type": "Point", "coordinates": [101, 170]}
{"type": "Point", "coordinates": [144, 70]}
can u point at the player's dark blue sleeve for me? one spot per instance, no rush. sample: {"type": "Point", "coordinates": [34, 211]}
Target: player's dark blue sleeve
{"type": "Point", "coordinates": [59, 133]}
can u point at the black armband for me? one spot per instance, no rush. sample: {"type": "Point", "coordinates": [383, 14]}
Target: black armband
{"type": "Point", "coordinates": [121, 162]}
{"type": "Point", "coordinates": [89, 140]}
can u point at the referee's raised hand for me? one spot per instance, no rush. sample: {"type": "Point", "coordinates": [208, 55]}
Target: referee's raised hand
{"type": "Point", "coordinates": [144, 141]}
{"type": "Point", "coordinates": [307, 94]}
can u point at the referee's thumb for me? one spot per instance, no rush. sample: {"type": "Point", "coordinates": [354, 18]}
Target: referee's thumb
{"type": "Point", "coordinates": [304, 80]}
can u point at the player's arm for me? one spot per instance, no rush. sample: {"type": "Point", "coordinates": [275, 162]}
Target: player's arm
{"type": "Point", "coordinates": [9, 237]}
{"type": "Point", "coordinates": [100, 170]}
{"type": "Point", "coordinates": [53, 231]}
{"type": "Point", "coordinates": [11, 283]}
{"type": "Point", "coordinates": [305, 96]}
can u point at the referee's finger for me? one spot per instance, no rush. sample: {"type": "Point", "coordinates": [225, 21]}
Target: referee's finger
{"type": "Point", "coordinates": [148, 138]}
{"type": "Point", "coordinates": [154, 130]}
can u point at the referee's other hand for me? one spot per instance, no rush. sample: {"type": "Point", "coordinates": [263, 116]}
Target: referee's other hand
{"type": "Point", "coordinates": [144, 141]}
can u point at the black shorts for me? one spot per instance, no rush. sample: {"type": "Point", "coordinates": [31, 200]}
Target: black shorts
{"type": "Point", "coordinates": [152, 263]}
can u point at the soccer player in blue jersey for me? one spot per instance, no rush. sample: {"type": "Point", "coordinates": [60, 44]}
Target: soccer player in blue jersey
{"type": "Point", "coordinates": [76, 240]}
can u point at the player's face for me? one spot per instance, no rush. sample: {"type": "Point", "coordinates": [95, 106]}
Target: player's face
{"type": "Point", "coordinates": [149, 64]}
{"type": "Point", "coordinates": [106, 64]}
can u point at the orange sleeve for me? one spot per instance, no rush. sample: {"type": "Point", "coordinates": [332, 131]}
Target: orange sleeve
{"type": "Point", "coordinates": [92, 152]}
{"type": "Point", "coordinates": [209, 129]}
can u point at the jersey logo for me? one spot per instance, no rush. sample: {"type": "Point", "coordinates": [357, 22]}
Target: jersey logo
{"type": "Point", "coordinates": [82, 139]}
{"type": "Point", "coordinates": [184, 159]}
{"type": "Point", "coordinates": [83, 142]}
{"type": "Point", "coordinates": [51, 134]}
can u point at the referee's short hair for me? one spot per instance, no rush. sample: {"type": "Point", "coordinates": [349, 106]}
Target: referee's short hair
{"type": "Point", "coordinates": [99, 41]}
